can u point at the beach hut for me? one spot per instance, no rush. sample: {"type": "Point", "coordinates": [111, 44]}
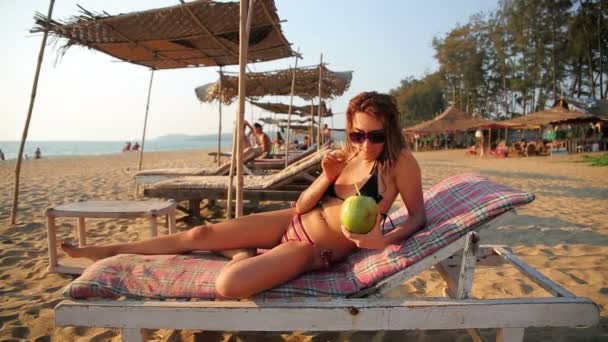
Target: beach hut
{"type": "Point", "coordinates": [452, 120]}
{"type": "Point", "coordinates": [190, 34]}
{"type": "Point", "coordinates": [558, 115]}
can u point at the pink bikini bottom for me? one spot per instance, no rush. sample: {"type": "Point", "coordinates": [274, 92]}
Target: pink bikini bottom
{"type": "Point", "coordinates": [296, 232]}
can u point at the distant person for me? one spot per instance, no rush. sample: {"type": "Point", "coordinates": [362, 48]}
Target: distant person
{"type": "Point", "coordinates": [246, 136]}
{"type": "Point", "coordinates": [279, 141]}
{"type": "Point", "coordinates": [135, 147]}
{"type": "Point", "coordinates": [326, 133]}
{"type": "Point", "coordinates": [127, 147]}
{"type": "Point", "coordinates": [37, 153]}
{"type": "Point", "coordinates": [262, 139]}
{"type": "Point", "coordinates": [2, 155]}
{"type": "Point", "coordinates": [306, 144]}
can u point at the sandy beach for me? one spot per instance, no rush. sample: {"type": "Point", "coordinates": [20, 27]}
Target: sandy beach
{"type": "Point", "coordinates": [563, 234]}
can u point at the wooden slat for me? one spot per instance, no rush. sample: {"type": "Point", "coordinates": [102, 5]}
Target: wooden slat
{"type": "Point", "coordinates": [220, 194]}
{"type": "Point", "coordinates": [332, 315]}
{"type": "Point", "coordinates": [467, 267]}
{"type": "Point", "coordinates": [544, 282]}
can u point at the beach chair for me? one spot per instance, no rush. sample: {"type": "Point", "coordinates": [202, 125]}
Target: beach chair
{"type": "Point", "coordinates": [345, 297]}
{"type": "Point", "coordinates": [293, 157]}
{"type": "Point", "coordinates": [152, 176]}
{"type": "Point", "coordinates": [285, 185]}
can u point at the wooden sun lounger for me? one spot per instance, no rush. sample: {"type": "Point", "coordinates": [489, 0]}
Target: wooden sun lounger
{"type": "Point", "coordinates": [455, 262]}
{"type": "Point", "coordinates": [147, 177]}
{"type": "Point", "coordinates": [289, 184]}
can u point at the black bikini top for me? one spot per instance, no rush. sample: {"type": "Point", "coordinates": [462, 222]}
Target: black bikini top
{"type": "Point", "coordinates": [370, 188]}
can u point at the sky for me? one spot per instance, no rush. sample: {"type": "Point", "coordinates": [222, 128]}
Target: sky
{"type": "Point", "coordinates": [88, 95]}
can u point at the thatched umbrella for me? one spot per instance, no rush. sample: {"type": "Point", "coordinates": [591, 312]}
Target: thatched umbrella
{"type": "Point", "coordinates": [451, 120]}
{"type": "Point", "coordinates": [555, 115]}
{"type": "Point", "coordinates": [195, 34]}
{"type": "Point", "coordinates": [278, 82]}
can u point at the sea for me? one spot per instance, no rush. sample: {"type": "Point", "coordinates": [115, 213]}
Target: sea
{"type": "Point", "coordinates": [170, 142]}
{"type": "Point", "coordinates": [57, 148]}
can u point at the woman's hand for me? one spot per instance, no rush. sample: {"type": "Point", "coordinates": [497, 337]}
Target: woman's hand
{"type": "Point", "coordinates": [333, 163]}
{"type": "Point", "coordinates": [372, 240]}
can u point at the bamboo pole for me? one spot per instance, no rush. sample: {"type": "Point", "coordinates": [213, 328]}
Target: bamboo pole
{"type": "Point", "coordinates": [143, 137]}
{"type": "Point", "coordinates": [312, 122]}
{"type": "Point", "coordinates": [320, 97]}
{"type": "Point", "coordinates": [219, 131]}
{"type": "Point", "coordinates": [231, 174]}
{"type": "Point", "coordinates": [245, 14]}
{"type": "Point", "coordinates": [245, 23]}
{"type": "Point", "coordinates": [29, 117]}
{"type": "Point", "coordinates": [293, 85]}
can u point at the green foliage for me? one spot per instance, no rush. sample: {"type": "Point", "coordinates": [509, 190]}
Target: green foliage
{"type": "Point", "coordinates": [597, 161]}
{"type": "Point", "coordinates": [419, 100]}
{"type": "Point", "coordinates": [516, 60]}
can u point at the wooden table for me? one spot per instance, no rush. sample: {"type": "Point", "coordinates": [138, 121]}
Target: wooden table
{"type": "Point", "coordinates": [102, 209]}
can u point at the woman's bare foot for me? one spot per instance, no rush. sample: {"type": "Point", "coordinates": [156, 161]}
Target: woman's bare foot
{"type": "Point", "coordinates": [89, 252]}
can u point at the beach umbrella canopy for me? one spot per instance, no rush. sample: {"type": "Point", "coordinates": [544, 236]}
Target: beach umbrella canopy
{"type": "Point", "coordinates": [556, 115]}
{"type": "Point", "coordinates": [451, 120]}
{"type": "Point", "coordinates": [280, 108]}
{"type": "Point", "coordinates": [190, 34]}
{"type": "Point", "coordinates": [278, 82]}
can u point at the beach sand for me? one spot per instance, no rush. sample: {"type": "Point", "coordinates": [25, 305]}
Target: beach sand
{"type": "Point", "coordinates": [563, 234]}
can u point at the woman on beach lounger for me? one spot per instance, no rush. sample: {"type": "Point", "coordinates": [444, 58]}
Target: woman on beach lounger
{"type": "Point", "coordinates": [309, 236]}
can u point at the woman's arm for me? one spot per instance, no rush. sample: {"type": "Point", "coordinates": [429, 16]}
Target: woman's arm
{"type": "Point", "coordinates": [332, 164]}
{"type": "Point", "coordinates": [310, 197]}
{"type": "Point", "coordinates": [409, 183]}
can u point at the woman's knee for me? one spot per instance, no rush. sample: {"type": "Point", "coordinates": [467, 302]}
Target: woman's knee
{"type": "Point", "coordinates": [197, 233]}
{"type": "Point", "coordinates": [228, 284]}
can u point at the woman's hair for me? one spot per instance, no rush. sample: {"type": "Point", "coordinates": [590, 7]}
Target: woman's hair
{"type": "Point", "coordinates": [384, 108]}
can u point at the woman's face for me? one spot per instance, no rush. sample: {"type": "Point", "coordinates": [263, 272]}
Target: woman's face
{"type": "Point", "coordinates": [367, 123]}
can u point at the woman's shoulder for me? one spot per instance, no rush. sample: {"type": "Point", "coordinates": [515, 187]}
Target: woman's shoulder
{"type": "Point", "coordinates": [406, 162]}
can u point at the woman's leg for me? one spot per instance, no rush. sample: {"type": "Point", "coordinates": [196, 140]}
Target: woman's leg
{"type": "Point", "coordinates": [242, 279]}
{"type": "Point", "coordinates": [262, 230]}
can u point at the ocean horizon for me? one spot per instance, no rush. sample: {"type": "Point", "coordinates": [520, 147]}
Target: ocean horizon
{"type": "Point", "coordinates": [59, 148]}
{"type": "Point", "coordinates": [169, 142]}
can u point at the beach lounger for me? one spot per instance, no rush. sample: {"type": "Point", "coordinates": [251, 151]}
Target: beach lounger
{"type": "Point", "coordinates": [292, 157]}
{"type": "Point", "coordinates": [152, 176]}
{"type": "Point", "coordinates": [344, 297]}
{"type": "Point", "coordinates": [285, 185]}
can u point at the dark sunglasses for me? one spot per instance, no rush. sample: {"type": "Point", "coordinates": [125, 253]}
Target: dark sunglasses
{"type": "Point", "coordinates": [375, 137]}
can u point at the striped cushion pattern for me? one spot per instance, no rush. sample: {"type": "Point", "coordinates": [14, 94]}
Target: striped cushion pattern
{"type": "Point", "coordinates": [453, 207]}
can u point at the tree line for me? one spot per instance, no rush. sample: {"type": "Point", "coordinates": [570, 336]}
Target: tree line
{"type": "Point", "coordinates": [514, 60]}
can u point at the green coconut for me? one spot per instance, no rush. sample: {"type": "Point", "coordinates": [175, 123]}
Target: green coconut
{"type": "Point", "coordinates": [358, 213]}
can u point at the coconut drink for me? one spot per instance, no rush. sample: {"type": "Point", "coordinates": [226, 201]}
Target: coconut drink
{"type": "Point", "coordinates": [358, 213]}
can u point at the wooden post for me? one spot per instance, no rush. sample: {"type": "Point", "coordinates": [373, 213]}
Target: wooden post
{"type": "Point", "coordinates": [143, 137]}
{"type": "Point", "coordinates": [293, 85]}
{"type": "Point", "coordinates": [320, 97]}
{"type": "Point", "coordinates": [312, 122]}
{"type": "Point", "coordinates": [82, 232]}
{"type": "Point", "coordinates": [231, 174]}
{"type": "Point", "coordinates": [29, 117]}
{"type": "Point", "coordinates": [51, 235]}
{"type": "Point", "coordinates": [219, 130]}
{"type": "Point", "coordinates": [245, 15]}
{"type": "Point", "coordinates": [490, 139]}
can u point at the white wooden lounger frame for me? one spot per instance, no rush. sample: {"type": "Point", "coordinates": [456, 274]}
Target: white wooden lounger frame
{"type": "Point", "coordinates": [509, 316]}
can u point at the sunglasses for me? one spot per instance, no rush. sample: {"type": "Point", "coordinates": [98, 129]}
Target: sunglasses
{"type": "Point", "coordinates": [374, 137]}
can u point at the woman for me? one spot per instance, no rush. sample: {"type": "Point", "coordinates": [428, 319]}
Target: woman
{"type": "Point", "coordinates": [309, 236]}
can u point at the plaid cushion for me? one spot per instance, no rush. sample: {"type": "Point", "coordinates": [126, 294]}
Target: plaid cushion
{"type": "Point", "coordinates": [453, 207]}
